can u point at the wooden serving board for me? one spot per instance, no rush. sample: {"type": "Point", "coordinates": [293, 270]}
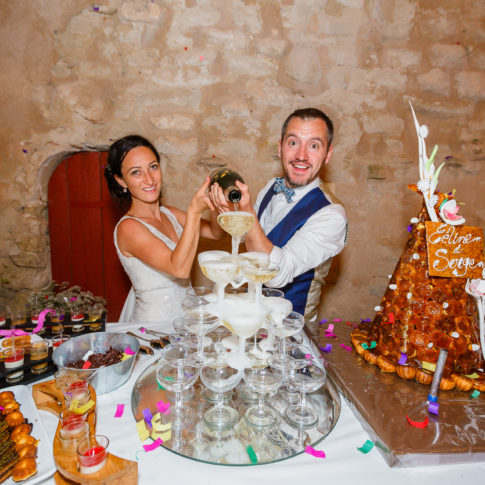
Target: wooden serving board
{"type": "Point", "coordinates": [49, 398]}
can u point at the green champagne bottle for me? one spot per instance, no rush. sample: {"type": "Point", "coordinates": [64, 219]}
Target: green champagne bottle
{"type": "Point", "coordinates": [227, 181]}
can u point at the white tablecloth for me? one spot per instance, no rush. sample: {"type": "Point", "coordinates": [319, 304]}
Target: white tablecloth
{"type": "Point", "coordinates": [344, 463]}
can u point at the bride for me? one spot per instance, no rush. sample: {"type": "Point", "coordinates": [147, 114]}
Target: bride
{"type": "Point", "coordinates": [156, 244]}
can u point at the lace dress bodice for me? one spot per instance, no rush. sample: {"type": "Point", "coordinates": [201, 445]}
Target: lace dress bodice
{"type": "Point", "coordinates": [155, 296]}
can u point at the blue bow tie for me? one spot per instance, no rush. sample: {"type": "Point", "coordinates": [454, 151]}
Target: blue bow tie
{"type": "Point", "coordinates": [280, 186]}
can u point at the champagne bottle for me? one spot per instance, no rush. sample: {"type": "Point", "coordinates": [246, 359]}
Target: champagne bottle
{"type": "Point", "coordinates": [227, 181]}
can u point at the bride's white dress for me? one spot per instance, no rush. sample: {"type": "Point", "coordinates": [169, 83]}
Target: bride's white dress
{"type": "Point", "coordinates": [155, 296]}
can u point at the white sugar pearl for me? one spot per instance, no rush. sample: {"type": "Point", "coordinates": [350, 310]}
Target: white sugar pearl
{"type": "Point", "coordinates": [446, 304]}
{"type": "Point", "coordinates": [409, 295]}
{"type": "Point", "coordinates": [414, 220]}
{"type": "Point", "coordinates": [415, 256]}
{"type": "Point", "coordinates": [378, 308]}
{"type": "Point", "coordinates": [389, 276]}
{"type": "Point", "coordinates": [430, 345]}
{"type": "Point", "coordinates": [475, 347]}
{"type": "Point", "coordinates": [393, 286]}
{"type": "Point", "coordinates": [455, 334]}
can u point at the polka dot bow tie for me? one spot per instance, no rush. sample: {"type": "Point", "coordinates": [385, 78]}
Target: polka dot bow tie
{"type": "Point", "coordinates": [280, 186]}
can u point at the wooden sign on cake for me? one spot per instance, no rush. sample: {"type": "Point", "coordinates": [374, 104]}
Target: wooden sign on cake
{"type": "Point", "coordinates": [454, 251]}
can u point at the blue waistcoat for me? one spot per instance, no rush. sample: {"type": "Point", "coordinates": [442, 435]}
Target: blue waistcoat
{"type": "Point", "coordinates": [297, 290]}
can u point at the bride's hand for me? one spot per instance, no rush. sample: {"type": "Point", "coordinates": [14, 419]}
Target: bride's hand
{"type": "Point", "coordinates": [218, 199]}
{"type": "Point", "coordinates": [201, 201]}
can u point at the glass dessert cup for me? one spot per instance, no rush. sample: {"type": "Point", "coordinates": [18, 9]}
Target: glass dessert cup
{"type": "Point", "coordinates": [286, 327]}
{"type": "Point", "coordinates": [220, 379]}
{"type": "Point", "coordinates": [178, 376]}
{"type": "Point", "coordinates": [306, 379]}
{"type": "Point", "coordinates": [199, 320]}
{"type": "Point", "coordinates": [243, 321]}
{"type": "Point", "coordinates": [262, 381]}
{"type": "Point", "coordinates": [92, 454]}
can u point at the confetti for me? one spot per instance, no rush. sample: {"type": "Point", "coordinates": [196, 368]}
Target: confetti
{"type": "Point", "coordinates": [410, 228]}
{"type": "Point", "coordinates": [366, 447]}
{"type": "Point", "coordinates": [24, 150]}
{"type": "Point", "coordinates": [323, 321]}
{"type": "Point", "coordinates": [433, 407]}
{"type": "Point", "coordinates": [1, 408]}
{"type": "Point", "coordinates": [87, 365]}
{"type": "Point", "coordinates": [475, 394]}
{"type": "Point", "coordinates": [327, 348]}
{"type": "Point", "coordinates": [139, 451]}
{"type": "Point", "coordinates": [186, 48]}
{"type": "Point", "coordinates": [82, 409]}
{"type": "Point", "coordinates": [429, 366]}
{"type": "Point", "coordinates": [142, 430]}
{"type": "Point", "coordinates": [152, 446]}
{"type": "Point", "coordinates": [348, 323]}
{"type": "Point", "coordinates": [201, 58]}
{"type": "Point", "coordinates": [143, 330]}
{"type": "Point", "coordinates": [163, 407]}
{"type": "Point", "coordinates": [119, 410]}
{"type": "Point", "coordinates": [252, 455]}
{"type": "Point", "coordinates": [148, 417]}
{"type": "Point", "coordinates": [316, 453]}
{"type": "Point", "coordinates": [346, 347]}
{"type": "Point", "coordinates": [128, 351]}
{"type": "Point", "coordinates": [95, 8]}
{"type": "Point", "coordinates": [337, 319]}
{"type": "Point", "coordinates": [402, 359]}
{"type": "Point", "coordinates": [418, 424]}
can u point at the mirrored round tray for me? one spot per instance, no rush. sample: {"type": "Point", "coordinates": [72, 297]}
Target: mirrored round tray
{"type": "Point", "coordinates": [241, 445]}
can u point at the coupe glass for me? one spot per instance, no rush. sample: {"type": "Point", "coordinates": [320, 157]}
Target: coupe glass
{"type": "Point", "coordinates": [286, 327]}
{"type": "Point", "coordinates": [220, 379]}
{"type": "Point", "coordinates": [236, 223]}
{"type": "Point", "coordinates": [199, 320]}
{"type": "Point", "coordinates": [178, 376]}
{"type": "Point", "coordinates": [259, 274]}
{"type": "Point", "coordinates": [244, 321]}
{"type": "Point", "coordinates": [306, 379]}
{"type": "Point", "coordinates": [276, 307]}
{"type": "Point", "coordinates": [221, 272]}
{"type": "Point", "coordinates": [262, 381]}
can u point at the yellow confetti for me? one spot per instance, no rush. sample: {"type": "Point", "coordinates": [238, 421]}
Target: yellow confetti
{"type": "Point", "coordinates": [429, 366]}
{"type": "Point", "coordinates": [473, 376]}
{"type": "Point", "coordinates": [142, 430]}
{"type": "Point", "coordinates": [83, 409]}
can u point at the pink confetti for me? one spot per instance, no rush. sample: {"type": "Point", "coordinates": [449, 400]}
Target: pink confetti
{"type": "Point", "coordinates": [119, 410]}
{"type": "Point", "coordinates": [1, 408]}
{"type": "Point", "coordinates": [143, 330]}
{"type": "Point", "coordinates": [40, 321]}
{"type": "Point", "coordinates": [201, 58]}
{"type": "Point", "coordinates": [346, 347]}
{"type": "Point", "coordinates": [330, 327]}
{"type": "Point", "coordinates": [316, 453]}
{"type": "Point", "coordinates": [163, 407]}
{"type": "Point", "coordinates": [128, 351]}
{"type": "Point", "coordinates": [153, 446]}
{"type": "Point", "coordinates": [327, 348]}
{"type": "Point", "coordinates": [337, 319]}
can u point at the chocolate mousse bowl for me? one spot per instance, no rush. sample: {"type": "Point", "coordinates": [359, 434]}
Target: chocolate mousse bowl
{"type": "Point", "coordinates": [108, 377]}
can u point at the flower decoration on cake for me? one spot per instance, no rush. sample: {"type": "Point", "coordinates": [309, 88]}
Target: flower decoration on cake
{"type": "Point", "coordinates": [428, 181]}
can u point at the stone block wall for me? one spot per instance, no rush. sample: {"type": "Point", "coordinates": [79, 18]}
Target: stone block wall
{"type": "Point", "coordinates": [210, 83]}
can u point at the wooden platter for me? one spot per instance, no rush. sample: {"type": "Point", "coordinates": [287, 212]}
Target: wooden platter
{"type": "Point", "coordinates": [49, 398]}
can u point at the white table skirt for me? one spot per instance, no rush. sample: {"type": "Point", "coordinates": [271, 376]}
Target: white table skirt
{"type": "Point", "coordinates": [344, 463]}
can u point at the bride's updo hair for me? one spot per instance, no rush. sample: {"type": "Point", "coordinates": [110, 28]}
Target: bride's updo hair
{"type": "Point", "coordinates": [116, 154]}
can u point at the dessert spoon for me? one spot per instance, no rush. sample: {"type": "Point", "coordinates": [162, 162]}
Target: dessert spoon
{"type": "Point", "coordinates": [157, 344]}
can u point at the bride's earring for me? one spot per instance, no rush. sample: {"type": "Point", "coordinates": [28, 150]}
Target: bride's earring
{"type": "Point", "coordinates": [125, 190]}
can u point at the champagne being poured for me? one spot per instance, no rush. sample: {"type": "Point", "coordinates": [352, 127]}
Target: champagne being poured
{"type": "Point", "coordinates": [236, 223]}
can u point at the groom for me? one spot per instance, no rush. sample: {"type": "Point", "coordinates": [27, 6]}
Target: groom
{"type": "Point", "coordinates": [300, 223]}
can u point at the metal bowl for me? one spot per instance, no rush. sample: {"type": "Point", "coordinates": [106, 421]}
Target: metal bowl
{"type": "Point", "coordinates": [106, 379]}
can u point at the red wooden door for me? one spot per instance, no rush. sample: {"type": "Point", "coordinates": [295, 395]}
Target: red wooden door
{"type": "Point", "coordinates": [82, 218]}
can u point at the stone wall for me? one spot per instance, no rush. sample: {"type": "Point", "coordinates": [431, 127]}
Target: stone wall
{"type": "Point", "coordinates": [211, 81]}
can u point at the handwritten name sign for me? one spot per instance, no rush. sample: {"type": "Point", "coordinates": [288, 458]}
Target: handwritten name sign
{"type": "Point", "coordinates": [454, 251]}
